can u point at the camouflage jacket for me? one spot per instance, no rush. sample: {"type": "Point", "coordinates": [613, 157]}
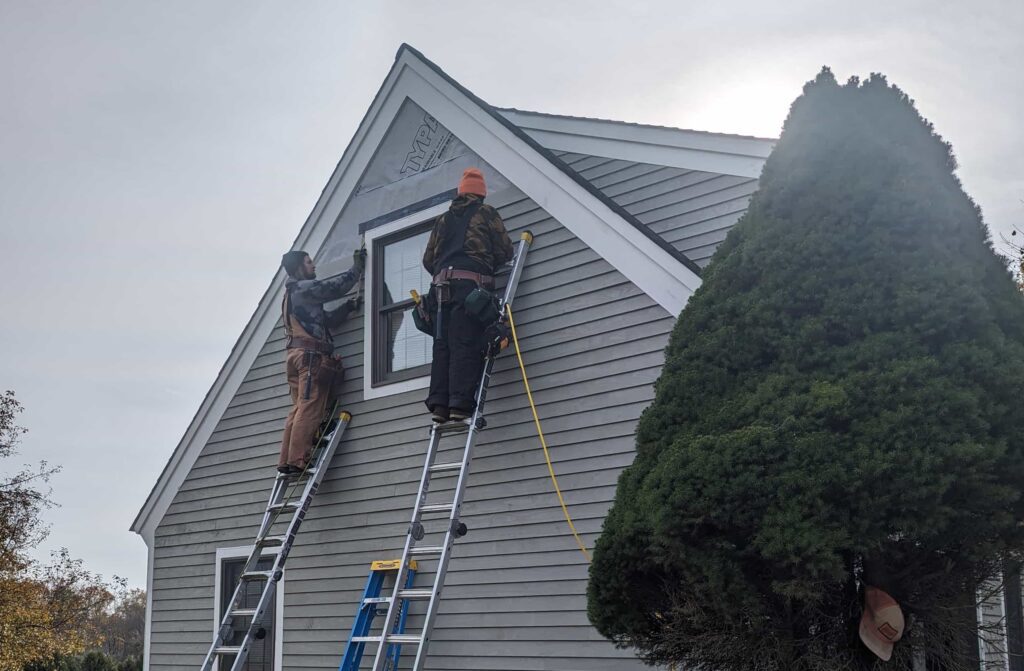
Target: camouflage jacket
{"type": "Point", "coordinates": [306, 299]}
{"type": "Point", "coordinates": [487, 244]}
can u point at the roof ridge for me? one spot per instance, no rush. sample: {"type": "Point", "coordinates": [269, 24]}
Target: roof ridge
{"type": "Point", "coordinates": [558, 163]}
{"type": "Point", "coordinates": [636, 124]}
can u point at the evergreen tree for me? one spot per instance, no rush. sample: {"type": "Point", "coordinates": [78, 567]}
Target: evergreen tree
{"type": "Point", "coordinates": [840, 404]}
{"type": "Point", "coordinates": [97, 661]}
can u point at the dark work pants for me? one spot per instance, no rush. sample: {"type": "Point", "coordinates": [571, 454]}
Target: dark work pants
{"type": "Point", "coordinates": [458, 353]}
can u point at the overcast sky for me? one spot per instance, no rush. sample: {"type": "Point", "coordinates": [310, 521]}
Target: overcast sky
{"type": "Point", "coordinates": [156, 158]}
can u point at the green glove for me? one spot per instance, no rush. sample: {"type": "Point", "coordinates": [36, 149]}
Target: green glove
{"type": "Point", "coordinates": [359, 259]}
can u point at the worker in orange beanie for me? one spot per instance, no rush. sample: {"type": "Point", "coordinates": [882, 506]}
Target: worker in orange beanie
{"type": "Point", "coordinates": [467, 245]}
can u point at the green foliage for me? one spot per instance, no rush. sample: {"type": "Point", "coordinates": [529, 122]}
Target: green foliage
{"type": "Point", "coordinates": [97, 661]}
{"type": "Point", "coordinates": [841, 395]}
{"type": "Point", "coordinates": [52, 612]}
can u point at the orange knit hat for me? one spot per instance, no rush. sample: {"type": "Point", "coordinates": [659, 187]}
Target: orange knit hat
{"type": "Point", "coordinates": [472, 182]}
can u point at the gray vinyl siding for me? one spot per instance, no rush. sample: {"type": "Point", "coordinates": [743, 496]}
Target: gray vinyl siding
{"type": "Point", "coordinates": [515, 593]}
{"type": "Point", "coordinates": [690, 209]}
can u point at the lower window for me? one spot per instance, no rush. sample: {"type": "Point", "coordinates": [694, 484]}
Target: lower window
{"type": "Point", "coordinates": [261, 653]}
{"type": "Point", "coordinates": [1014, 613]}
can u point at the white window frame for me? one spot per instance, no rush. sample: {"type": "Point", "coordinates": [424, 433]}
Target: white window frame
{"type": "Point", "coordinates": [370, 313]}
{"type": "Point", "coordinates": [241, 552]}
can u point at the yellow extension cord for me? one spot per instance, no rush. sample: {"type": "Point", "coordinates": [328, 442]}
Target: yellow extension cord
{"type": "Point", "coordinates": [540, 433]}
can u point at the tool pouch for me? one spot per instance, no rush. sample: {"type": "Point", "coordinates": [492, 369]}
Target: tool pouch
{"type": "Point", "coordinates": [423, 313]}
{"type": "Point", "coordinates": [483, 305]}
{"type": "Point", "coordinates": [330, 374]}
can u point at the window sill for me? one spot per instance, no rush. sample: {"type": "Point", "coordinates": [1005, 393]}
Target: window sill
{"type": "Point", "coordinates": [393, 388]}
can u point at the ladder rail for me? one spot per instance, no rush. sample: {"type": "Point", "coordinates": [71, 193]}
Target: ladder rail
{"type": "Point", "coordinates": [435, 439]}
{"type": "Point", "coordinates": [453, 520]}
{"type": "Point", "coordinates": [276, 496]}
{"type": "Point", "coordinates": [315, 476]}
{"type": "Point", "coordinates": [475, 424]}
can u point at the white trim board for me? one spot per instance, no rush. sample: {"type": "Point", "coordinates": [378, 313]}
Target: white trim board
{"type": "Point", "coordinates": [149, 607]}
{"type": "Point", "coordinates": [369, 391]}
{"type": "Point", "coordinates": [242, 552]}
{"type": "Point", "coordinates": [672, 147]}
{"type": "Point", "coordinates": [640, 259]}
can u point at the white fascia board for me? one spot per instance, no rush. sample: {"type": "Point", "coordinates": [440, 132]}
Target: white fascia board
{"type": "Point", "coordinates": [689, 150]}
{"type": "Point", "coordinates": [659, 274]}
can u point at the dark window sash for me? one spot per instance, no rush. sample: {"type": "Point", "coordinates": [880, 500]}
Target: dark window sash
{"type": "Point", "coordinates": [379, 374]}
{"type": "Point", "coordinates": [1014, 615]}
{"type": "Point", "coordinates": [262, 653]}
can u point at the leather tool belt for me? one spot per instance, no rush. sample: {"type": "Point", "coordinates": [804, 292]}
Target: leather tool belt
{"type": "Point", "coordinates": [453, 274]}
{"type": "Point", "coordinates": [309, 344]}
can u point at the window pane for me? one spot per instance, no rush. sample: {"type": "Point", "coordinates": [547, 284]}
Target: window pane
{"type": "Point", "coordinates": [407, 346]}
{"type": "Point", "coordinates": [403, 268]}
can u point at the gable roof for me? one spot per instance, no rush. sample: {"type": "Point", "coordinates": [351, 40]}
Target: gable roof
{"type": "Point", "coordinates": [638, 253]}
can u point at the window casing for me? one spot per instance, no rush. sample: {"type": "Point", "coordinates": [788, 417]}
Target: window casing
{"type": "Point", "coordinates": [400, 351]}
{"type": "Point", "coordinates": [1014, 615]}
{"type": "Point", "coordinates": [264, 654]}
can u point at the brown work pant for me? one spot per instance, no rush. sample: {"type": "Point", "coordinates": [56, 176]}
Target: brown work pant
{"type": "Point", "coordinates": [309, 403]}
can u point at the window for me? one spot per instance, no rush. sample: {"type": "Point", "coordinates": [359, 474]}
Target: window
{"type": "Point", "coordinates": [263, 654]}
{"type": "Point", "coordinates": [400, 351]}
{"type": "Point", "coordinates": [1014, 615]}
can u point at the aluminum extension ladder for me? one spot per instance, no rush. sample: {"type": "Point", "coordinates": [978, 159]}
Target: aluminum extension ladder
{"type": "Point", "coordinates": [282, 500]}
{"type": "Point", "coordinates": [401, 594]}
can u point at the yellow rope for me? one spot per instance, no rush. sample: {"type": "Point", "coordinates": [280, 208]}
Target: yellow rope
{"type": "Point", "coordinates": [540, 433]}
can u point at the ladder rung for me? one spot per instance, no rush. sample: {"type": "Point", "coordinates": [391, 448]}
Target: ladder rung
{"type": "Point", "coordinates": [426, 550]}
{"type": "Point", "coordinates": [243, 612]}
{"type": "Point", "coordinates": [227, 650]}
{"type": "Point", "coordinates": [273, 541]}
{"type": "Point", "coordinates": [417, 594]}
{"type": "Point", "coordinates": [366, 639]}
{"type": "Point", "coordinates": [298, 476]}
{"type": "Point", "coordinates": [287, 505]}
{"type": "Point", "coordinates": [452, 466]}
{"type": "Point", "coordinates": [258, 575]}
{"type": "Point", "coordinates": [404, 638]}
{"type": "Point", "coordinates": [452, 427]}
{"type": "Point", "coordinates": [376, 599]}
{"type": "Point", "coordinates": [437, 508]}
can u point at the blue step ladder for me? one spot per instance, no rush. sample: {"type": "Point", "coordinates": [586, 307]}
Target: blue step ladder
{"type": "Point", "coordinates": [368, 611]}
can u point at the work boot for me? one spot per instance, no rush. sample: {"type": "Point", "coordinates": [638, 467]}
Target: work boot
{"type": "Point", "coordinates": [439, 414]}
{"type": "Point", "coordinates": [288, 469]}
{"type": "Point", "coordinates": [459, 415]}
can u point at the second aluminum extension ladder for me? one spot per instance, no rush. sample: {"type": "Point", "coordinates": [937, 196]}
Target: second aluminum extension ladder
{"type": "Point", "coordinates": [402, 594]}
{"type": "Point", "coordinates": [284, 498]}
